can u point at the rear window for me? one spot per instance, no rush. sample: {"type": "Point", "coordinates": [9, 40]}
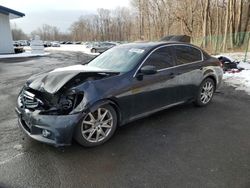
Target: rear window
{"type": "Point", "coordinates": [187, 54]}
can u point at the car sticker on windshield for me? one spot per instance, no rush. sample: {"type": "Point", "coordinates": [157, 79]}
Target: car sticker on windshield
{"type": "Point", "coordinates": [136, 50]}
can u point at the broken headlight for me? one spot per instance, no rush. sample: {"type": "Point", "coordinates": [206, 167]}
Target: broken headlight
{"type": "Point", "coordinates": [70, 102]}
{"type": "Point", "coordinates": [80, 106]}
{"type": "Point", "coordinates": [65, 105]}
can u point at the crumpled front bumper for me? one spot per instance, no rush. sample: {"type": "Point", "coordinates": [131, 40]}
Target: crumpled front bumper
{"type": "Point", "coordinates": [60, 127]}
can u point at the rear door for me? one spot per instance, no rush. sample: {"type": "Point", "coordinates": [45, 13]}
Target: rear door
{"type": "Point", "coordinates": [188, 71]}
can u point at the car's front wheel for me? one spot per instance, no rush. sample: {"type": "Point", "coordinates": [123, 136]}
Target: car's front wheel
{"type": "Point", "coordinates": [96, 127]}
{"type": "Point", "coordinates": [205, 93]}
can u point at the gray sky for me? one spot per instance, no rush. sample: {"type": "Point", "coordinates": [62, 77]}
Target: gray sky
{"type": "Point", "coordinates": [60, 13]}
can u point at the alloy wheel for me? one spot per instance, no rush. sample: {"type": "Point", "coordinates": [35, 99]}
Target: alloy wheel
{"type": "Point", "coordinates": [97, 125]}
{"type": "Point", "coordinates": [207, 92]}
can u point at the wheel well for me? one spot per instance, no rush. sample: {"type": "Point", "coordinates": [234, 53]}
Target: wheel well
{"type": "Point", "coordinates": [213, 78]}
{"type": "Point", "coordinates": [117, 110]}
{"type": "Point", "coordinates": [111, 103]}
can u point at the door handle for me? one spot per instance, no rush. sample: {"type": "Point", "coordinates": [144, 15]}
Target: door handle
{"type": "Point", "coordinates": [200, 67]}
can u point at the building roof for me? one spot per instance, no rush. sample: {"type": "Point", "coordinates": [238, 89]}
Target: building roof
{"type": "Point", "coordinates": [12, 13]}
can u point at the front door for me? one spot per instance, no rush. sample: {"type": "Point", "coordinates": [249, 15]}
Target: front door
{"type": "Point", "coordinates": [152, 92]}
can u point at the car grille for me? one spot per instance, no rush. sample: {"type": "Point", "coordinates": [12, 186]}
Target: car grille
{"type": "Point", "coordinates": [29, 100]}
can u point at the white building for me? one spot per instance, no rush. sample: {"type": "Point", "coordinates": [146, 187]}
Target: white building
{"type": "Point", "coordinates": [6, 42]}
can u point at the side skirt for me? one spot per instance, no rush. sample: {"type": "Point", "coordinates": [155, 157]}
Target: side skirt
{"type": "Point", "coordinates": [140, 116]}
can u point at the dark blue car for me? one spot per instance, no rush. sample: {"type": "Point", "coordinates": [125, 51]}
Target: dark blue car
{"type": "Point", "coordinates": [128, 82]}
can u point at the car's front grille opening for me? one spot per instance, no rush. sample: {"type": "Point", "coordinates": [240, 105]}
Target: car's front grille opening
{"type": "Point", "coordinates": [29, 100]}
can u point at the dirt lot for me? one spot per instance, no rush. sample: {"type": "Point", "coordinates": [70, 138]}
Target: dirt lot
{"type": "Point", "coordinates": [180, 147]}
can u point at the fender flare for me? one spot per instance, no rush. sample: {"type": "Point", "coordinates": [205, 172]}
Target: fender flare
{"type": "Point", "coordinates": [213, 77]}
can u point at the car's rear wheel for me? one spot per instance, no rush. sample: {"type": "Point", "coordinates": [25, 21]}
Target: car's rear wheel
{"type": "Point", "coordinates": [205, 93]}
{"type": "Point", "coordinates": [96, 127]}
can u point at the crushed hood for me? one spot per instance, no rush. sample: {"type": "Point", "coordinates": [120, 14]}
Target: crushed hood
{"type": "Point", "coordinates": [53, 81]}
{"type": "Point", "coordinates": [80, 68]}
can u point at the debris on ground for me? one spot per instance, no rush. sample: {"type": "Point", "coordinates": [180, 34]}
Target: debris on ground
{"type": "Point", "coordinates": [236, 71]}
{"type": "Point", "coordinates": [228, 64]}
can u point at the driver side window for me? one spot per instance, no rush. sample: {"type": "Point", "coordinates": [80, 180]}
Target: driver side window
{"type": "Point", "coordinates": [161, 58]}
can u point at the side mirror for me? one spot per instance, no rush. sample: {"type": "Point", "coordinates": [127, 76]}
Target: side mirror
{"type": "Point", "coordinates": [148, 70]}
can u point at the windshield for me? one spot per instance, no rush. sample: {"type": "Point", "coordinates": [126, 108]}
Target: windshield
{"type": "Point", "coordinates": [118, 59]}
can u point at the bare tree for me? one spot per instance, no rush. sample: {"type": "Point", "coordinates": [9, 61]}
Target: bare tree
{"type": "Point", "coordinates": [47, 32]}
{"type": "Point", "coordinates": [18, 33]}
{"type": "Point", "coordinates": [152, 19]}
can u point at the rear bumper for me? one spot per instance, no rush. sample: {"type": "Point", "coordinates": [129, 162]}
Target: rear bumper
{"type": "Point", "coordinates": [220, 78]}
{"type": "Point", "coordinates": [218, 75]}
{"type": "Point", "coordinates": [60, 128]}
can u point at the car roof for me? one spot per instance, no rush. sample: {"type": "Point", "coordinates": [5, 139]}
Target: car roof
{"type": "Point", "coordinates": [151, 45]}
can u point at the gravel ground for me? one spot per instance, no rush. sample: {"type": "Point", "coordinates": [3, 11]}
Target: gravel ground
{"type": "Point", "coordinates": [180, 147]}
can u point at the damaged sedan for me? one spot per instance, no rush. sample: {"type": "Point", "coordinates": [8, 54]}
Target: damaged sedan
{"type": "Point", "coordinates": [88, 102]}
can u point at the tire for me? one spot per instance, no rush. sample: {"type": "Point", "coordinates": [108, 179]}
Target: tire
{"type": "Point", "coordinates": [205, 92]}
{"type": "Point", "coordinates": [93, 50]}
{"type": "Point", "coordinates": [96, 127]}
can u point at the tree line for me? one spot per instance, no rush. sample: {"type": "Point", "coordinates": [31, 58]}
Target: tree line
{"type": "Point", "coordinates": [228, 20]}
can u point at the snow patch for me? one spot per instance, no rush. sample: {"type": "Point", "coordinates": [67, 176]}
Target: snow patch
{"type": "Point", "coordinates": [22, 55]}
{"type": "Point", "coordinates": [18, 147]}
{"type": "Point", "coordinates": [69, 48]}
{"type": "Point", "coordinates": [240, 80]}
{"type": "Point", "coordinates": [244, 65]}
